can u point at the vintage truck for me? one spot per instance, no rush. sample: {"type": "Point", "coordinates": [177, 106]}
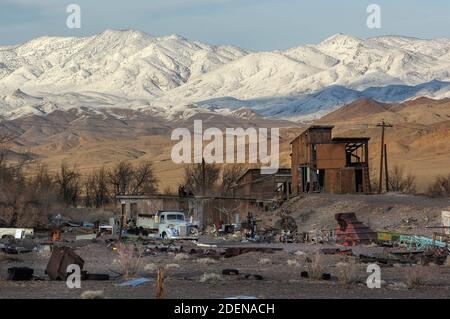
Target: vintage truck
{"type": "Point", "coordinates": [17, 233]}
{"type": "Point", "coordinates": [167, 225]}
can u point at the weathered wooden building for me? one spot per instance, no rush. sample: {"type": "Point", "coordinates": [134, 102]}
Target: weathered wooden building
{"type": "Point", "coordinates": [322, 163]}
{"type": "Point", "coordinates": [263, 189]}
{"type": "Point", "coordinates": [208, 210]}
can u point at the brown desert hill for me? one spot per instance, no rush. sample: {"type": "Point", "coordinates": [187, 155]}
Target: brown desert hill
{"type": "Point", "coordinates": [359, 108]}
{"type": "Point", "coordinates": [90, 140]}
{"type": "Point", "coordinates": [418, 140]}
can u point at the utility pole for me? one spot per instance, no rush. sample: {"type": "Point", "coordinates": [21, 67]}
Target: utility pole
{"type": "Point", "coordinates": [386, 168]}
{"type": "Point", "coordinates": [203, 177]}
{"type": "Point", "coordinates": [383, 125]}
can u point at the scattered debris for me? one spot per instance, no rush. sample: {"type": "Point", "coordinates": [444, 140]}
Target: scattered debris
{"type": "Point", "coordinates": [230, 272]}
{"type": "Point", "coordinates": [16, 233]}
{"type": "Point", "coordinates": [385, 259]}
{"type": "Point", "coordinates": [236, 251]}
{"type": "Point", "coordinates": [60, 259]}
{"type": "Point", "coordinates": [322, 276]}
{"type": "Point", "coordinates": [95, 277]}
{"type": "Point", "coordinates": [152, 250]}
{"type": "Point", "coordinates": [20, 273]}
{"type": "Point", "coordinates": [86, 237]}
{"type": "Point", "coordinates": [334, 251]}
{"type": "Point", "coordinates": [205, 245]}
{"type": "Point", "coordinates": [351, 231]}
{"type": "Point", "coordinates": [253, 276]}
{"type": "Point", "coordinates": [434, 255]}
{"type": "Point", "coordinates": [16, 249]}
{"type": "Point", "coordinates": [135, 282]}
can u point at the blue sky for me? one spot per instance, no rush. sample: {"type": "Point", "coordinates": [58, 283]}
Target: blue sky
{"type": "Point", "coordinates": [251, 24]}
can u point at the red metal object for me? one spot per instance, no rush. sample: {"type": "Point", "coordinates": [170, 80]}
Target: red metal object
{"type": "Point", "coordinates": [351, 231]}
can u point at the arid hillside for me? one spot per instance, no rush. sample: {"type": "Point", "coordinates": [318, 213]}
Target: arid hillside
{"type": "Point", "coordinates": [418, 140]}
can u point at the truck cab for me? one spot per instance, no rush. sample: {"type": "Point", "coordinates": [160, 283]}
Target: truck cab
{"type": "Point", "coordinates": [168, 225]}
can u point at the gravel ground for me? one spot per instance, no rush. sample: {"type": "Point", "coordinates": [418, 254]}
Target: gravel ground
{"type": "Point", "coordinates": [280, 269]}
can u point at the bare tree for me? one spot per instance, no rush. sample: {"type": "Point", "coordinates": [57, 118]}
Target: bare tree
{"type": "Point", "coordinates": [12, 184]}
{"type": "Point", "coordinates": [230, 175]}
{"type": "Point", "coordinates": [96, 188]}
{"type": "Point", "coordinates": [68, 181]}
{"type": "Point", "coordinates": [24, 201]}
{"type": "Point", "coordinates": [101, 188]}
{"type": "Point", "coordinates": [120, 178]}
{"type": "Point", "coordinates": [43, 185]}
{"type": "Point", "coordinates": [144, 180]}
{"type": "Point", "coordinates": [89, 190]}
{"type": "Point", "coordinates": [125, 179]}
{"type": "Point", "coordinates": [195, 179]}
{"type": "Point", "coordinates": [399, 181]}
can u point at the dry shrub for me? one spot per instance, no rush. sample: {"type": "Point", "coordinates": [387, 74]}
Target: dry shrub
{"type": "Point", "coordinates": [300, 253]}
{"type": "Point", "coordinates": [210, 277]}
{"type": "Point", "coordinates": [399, 181]}
{"type": "Point", "coordinates": [315, 267]}
{"type": "Point", "coordinates": [92, 294]}
{"type": "Point", "coordinates": [447, 261]}
{"type": "Point", "coordinates": [265, 261]}
{"type": "Point", "coordinates": [206, 261]}
{"type": "Point", "coordinates": [182, 256]}
{"type": "Point", "coordinates": [128, 259]}
{"type": "Point", "coordinates": [150, 267]}
{"type": "Point", "coordinates": [415, 277]}
{"type": "Point", "coordinates": [440, 187]}
{"type": "Point", "coordinates": [293, 263]}
{"type": "Point", "coordinates": [169, 266]}
{"type": "Point", "coordinates": [347, 272]}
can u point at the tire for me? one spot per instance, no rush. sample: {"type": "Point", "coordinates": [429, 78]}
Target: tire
{"type": "Point", "coordinates": [164, 235]}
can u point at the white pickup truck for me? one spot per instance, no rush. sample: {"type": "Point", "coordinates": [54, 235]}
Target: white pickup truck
{"type": "Point", "coordinates": [17, 233]}
{"type": "Point", "coordinates": [168, 225]}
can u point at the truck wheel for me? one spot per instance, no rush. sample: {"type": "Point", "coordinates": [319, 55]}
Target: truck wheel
{"type": "Point", "coordinates": [164, 235]}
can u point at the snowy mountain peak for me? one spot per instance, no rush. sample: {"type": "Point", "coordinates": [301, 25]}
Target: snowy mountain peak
{"type": "Point", "coordinates": [132, 69]}
{"type": "Point", "coordinates": [343, 40]}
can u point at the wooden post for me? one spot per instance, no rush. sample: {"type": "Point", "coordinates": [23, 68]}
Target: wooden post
{"type": "Point", "coordinates": [160, 284]}
{"type": "Point", "coordinates": [382, 125]}
{"type": "Point", "coordinates": [386, 168]}
{"type": "Point", "coordinates": [203, 177]}
{"type": "Point", "coordinates": [366, 169]}
{"type": "Point", "coordinates": [122, 217]}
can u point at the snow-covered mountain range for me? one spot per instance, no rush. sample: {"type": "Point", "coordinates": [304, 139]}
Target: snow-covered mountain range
{"type": "Point", "coordinates": [172, 76]}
